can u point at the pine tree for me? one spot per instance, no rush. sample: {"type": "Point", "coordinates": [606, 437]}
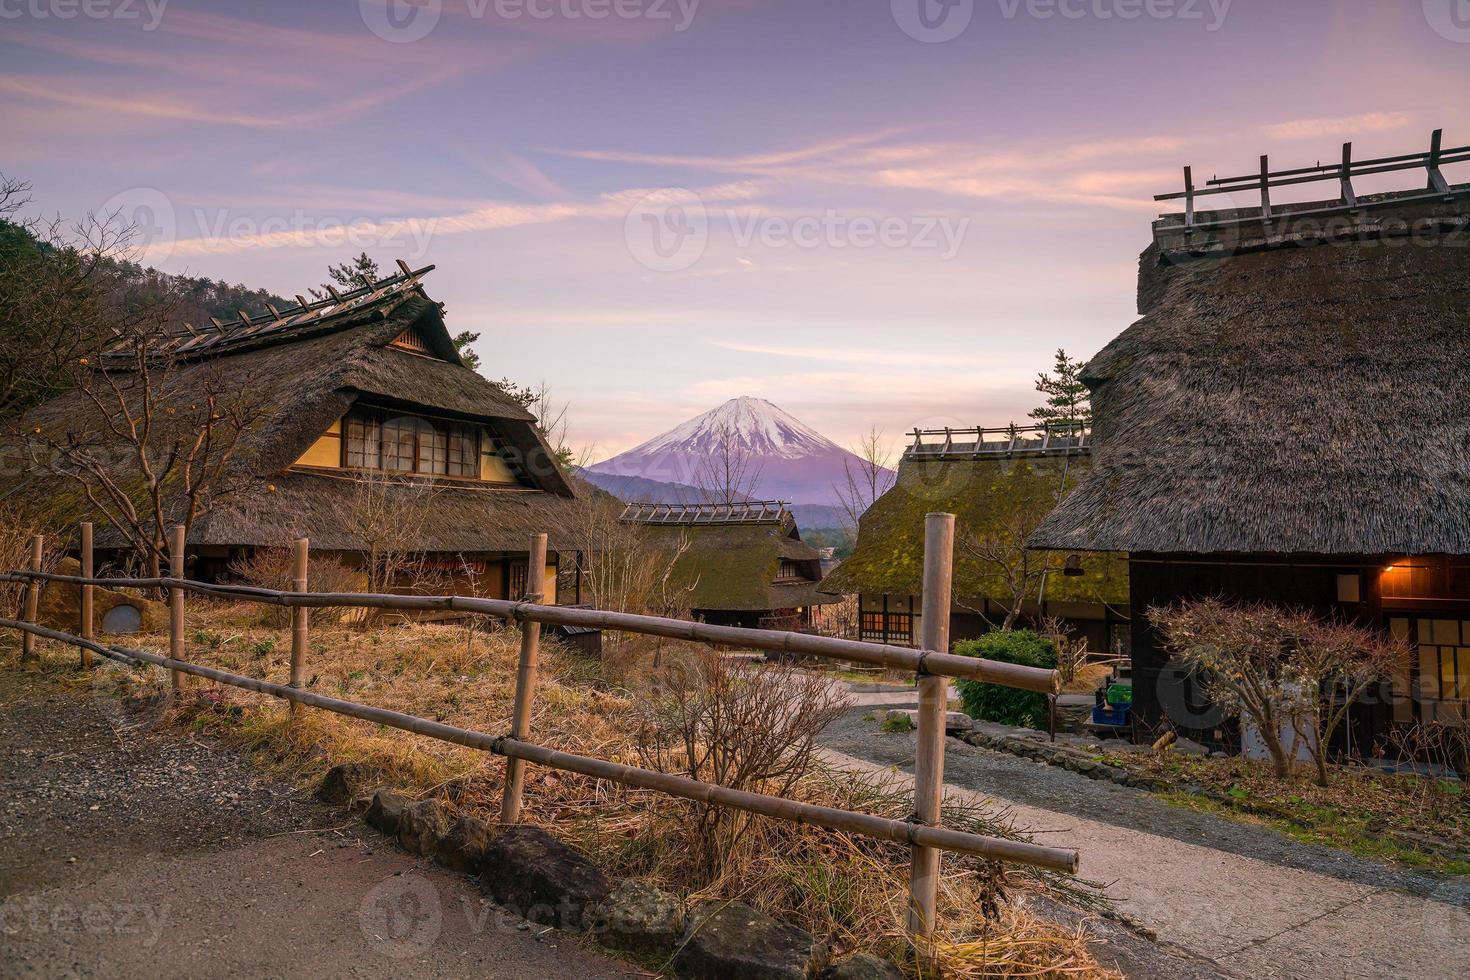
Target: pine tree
{"type": "Point", "coordinates": [462, 342]}
{"type": "Point", "coordinates": [348, 275]}
{"type": "Point", "coordinates": [1068, 400]}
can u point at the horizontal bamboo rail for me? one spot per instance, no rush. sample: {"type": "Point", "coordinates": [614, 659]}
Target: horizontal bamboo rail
{"type": "Point", "coordinates": [922, 662]}
{"type": "Point", "coordinates": [884, 828]}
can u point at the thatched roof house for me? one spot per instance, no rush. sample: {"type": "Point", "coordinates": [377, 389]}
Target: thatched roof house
{"type": "Point", "coordinates": [996, 482]}
{"type": "Point", "coordinates": [365, 410]}
{"type": "Point", "coordinates": [1287, 421]}
{"type": "Point", "coordinates": [742, 564]}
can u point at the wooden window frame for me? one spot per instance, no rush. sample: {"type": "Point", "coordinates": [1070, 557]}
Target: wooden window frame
{"type": "Point", "coordinates": [446, 429]}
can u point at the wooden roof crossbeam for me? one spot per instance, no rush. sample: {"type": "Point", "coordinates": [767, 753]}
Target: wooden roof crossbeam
{"type": "Point", "coordinates": [1050, 439]}
{"type": "Point", "coordinates": [690, 515]}
{"type": "Point", "coordinates": [1266, 179]}
{"type": "Point", "coordinates": [250, 327]}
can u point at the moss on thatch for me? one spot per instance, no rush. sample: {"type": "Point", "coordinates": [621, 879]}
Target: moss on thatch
{"type": "Point", "coordinates": [983, 494]}
{"type": "Point", "coordinates": [1305, 398]}
{"type": "Point", "coordinates": [734, 567]}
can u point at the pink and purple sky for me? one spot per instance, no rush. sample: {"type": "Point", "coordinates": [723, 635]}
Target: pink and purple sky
{"type": "Point", "coordinates": [871, 212]}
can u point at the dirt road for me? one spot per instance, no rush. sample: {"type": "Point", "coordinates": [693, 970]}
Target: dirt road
{"type": "Point", "coordinates": [125, 853]}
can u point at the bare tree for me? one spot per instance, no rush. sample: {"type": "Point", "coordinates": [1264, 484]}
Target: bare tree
{"type": "Point", "coordinates": [622, 570]}
{"type": "Point", "coordinates": [748, 727]}
{"type": "Point", "coordinates": [390, 514]}
{"type": "Point", "coordinates": [1335, 662]}
{"type": "Point", "coordinates": [157, 438]}
{"type": "Point", "coordinates": [1000, 550]}
{"type": "Point", "coordinates": [866, 480]}
{"type": "Point", "coordinates": [60, 296]}
{"type": "Point", "coordinates": [729, 473]}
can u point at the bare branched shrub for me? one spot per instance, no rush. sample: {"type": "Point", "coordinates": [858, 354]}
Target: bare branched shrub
{"type": "Point", "coordinates": [745, 726]}
{"type": "Point", "coordinates": [865, 480]}
{"type": "Point", "coordinates": [390, 514]}
{"type": "Point", "coordinates": [270, 568]}
{"type": "Point", "coordinates": [622, 571]}
{"type": "Point", "coordinates": [1279, 667]}
{"type": "Point", "coordinates": [1444, 747]}
{"type": "Point", "coordinates": [17, 528]}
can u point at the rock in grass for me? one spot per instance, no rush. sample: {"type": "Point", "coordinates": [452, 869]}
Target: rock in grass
{"type": "Point", "coordinates": [384, 812]}
{"type": "Point", "coordinates": [640, 919]}
{"type": "Point", "coordinates": [422, 827]}
{"type": "Point", "coordinates": [732, 941]}
{"type": "Point", "coordinates": [341, 783]}
{"type": "Point", "coordinates": [537, 877]}
{"type": "Point", "coordinates": [463, 848]}
{"type": "Point", "coordinates": [862, 966]}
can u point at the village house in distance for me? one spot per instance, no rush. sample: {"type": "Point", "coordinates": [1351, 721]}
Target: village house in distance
{"type": "Point", "coordinates": [1289, 422]}
{"type": "Point", "coordinates": [741, 564]}
{"type": "Point", "coordinates": [998, 483]}
{"type": "Point", "coordinates": [370, 413]}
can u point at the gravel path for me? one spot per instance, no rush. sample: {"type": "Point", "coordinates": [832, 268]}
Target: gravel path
{"type": "Point", "coordinates": [1248, 899]}
{"type": "Point", "coordinates": [125, 853]}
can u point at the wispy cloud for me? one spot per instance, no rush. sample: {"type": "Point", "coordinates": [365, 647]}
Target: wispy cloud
{"type": "Point", "coordinates": [1368, 122]}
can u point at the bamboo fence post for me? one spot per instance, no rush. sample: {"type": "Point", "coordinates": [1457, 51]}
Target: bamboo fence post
{"type": "Point", "coordinates": [33, 598]}
{"type": "Point", "coordinates": [176, 606]}
{"type": "Point", "coordinates": [85, 612]}
{"type": "Point", "coordinates": [929, 763]}
{"type": "Point", "coordinates": [520, 726]}
{"type": "Point", "coordinates": [300, 554]}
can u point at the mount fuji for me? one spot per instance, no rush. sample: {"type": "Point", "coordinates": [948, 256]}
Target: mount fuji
{"type": "Point", "coordinates": [790, 460]}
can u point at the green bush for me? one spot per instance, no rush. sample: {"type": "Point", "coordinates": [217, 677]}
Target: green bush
{"type": "Point", "coordinates": [1006, 705]}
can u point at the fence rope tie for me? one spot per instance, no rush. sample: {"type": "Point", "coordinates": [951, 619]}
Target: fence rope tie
{"type": "Point", "coordinates": [530, 599]}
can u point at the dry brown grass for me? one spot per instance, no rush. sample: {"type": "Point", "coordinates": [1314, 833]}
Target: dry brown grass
{"type": "Point", "coordinates": [847, 890]}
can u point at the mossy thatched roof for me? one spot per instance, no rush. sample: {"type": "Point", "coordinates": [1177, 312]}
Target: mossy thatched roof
{"type": "Point", "coordinates": [1303, 394]}
{"type": "Point", "coordinates": [304, 381]}
{"type": "Point", "coordinates": [735, 567]}
{"type": "Point", "coordinates": [984, 495]}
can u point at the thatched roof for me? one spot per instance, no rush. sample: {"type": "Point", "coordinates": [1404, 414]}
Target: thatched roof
{"type": "Point", "coordinates": [1296, 391]}
{"type": "Point", "coordinates": [735, 566]}
{"type": "Point", "coordinates": [984, 493]}
{"type": "Point", "coordinates": [307, 376]}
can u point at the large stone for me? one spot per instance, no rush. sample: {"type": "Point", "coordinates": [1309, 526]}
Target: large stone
{"type": "Point", "coordinates": [342, 783]}
{"type": "Point", "coordinates": [385, 811]}
{"type": "Point", "coordinates": [537, 877]}
{"type": "Point", "coordinates": [954, 721]}
{"type": "Point", "coordinates": [732, 941]}
{"type": "Point", "coordinates": [112, 611]}
{"type": "Point", "coordinates": [862, 966]}
{"type": "Point", "coordinates": [463, 848]}
{"type": "Point", "coordinates": [422, 827]}
{"type": "Point", "coordinates": [640, 919]}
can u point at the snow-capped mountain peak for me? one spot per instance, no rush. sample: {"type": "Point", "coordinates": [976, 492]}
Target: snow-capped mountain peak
{"type": "Point", "coordinates": [753, 424]}
{"type": "Point", "coordinates": [784, 457]}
